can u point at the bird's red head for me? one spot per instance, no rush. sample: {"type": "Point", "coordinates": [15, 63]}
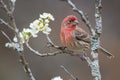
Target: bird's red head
{"type": "Point", "coordinates": [69, 21]}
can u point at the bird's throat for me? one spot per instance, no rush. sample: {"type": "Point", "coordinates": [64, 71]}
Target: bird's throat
{"type": "Point", "coordinates": [68, 30]}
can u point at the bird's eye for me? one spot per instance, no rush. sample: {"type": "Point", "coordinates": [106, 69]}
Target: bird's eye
{"type": "Point", "coordinates": [70, 21]}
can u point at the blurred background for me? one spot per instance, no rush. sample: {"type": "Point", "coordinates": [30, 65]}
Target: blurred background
{"type": "Point", "coordinates": [45, 68]}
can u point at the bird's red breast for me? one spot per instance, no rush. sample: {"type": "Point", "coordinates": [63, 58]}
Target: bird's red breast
{"type": "Point", "coordinates": [65, 35]}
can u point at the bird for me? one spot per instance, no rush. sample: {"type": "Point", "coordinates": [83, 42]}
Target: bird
{"type": "Point", "coordinates": [75, 38]}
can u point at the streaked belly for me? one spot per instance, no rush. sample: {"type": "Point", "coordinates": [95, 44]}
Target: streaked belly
{"type": "Point", "coordinates": [78, 45]}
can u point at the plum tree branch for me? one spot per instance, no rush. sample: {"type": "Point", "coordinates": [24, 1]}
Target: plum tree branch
{"type": "Point", "coordinates": [7, 24]}
{"type": "Point", "coordinates": [42, 54]}
{"type": "Point", "coordinates": [26, 66]}
{"type": "Point", "coordinates": [6, 36]}
{"type": "Point", "coordinates": [13, 27]}
{"type": "Point", "coordinates": [74, 78]}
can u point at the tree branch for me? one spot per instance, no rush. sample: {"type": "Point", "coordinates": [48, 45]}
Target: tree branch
{"type": "Point", "coordinates": [13, 27]}
{"type": "Point", "coordinates": [7, 24]}
{"type": "Point", "coordinates": [96, 40]}
{"type": "Point", "coordinates": [4, 7]}
{"type": "Point", "coordinates": [95, 36]}
{"type": "Point", "coordinates": [42, 54]}
{"type": "Point", "coordinates": [12, 5]}
{"type": "Point", "coordinates": [26, 66]}
{"type": "Point", "coordinates": [10, 15]}
{"type": "Point", "coordinates": [98, 17]}
{"type": "Point", "coordinates": [74, 78]}
{"type": "Point", "coordinates": [6, 36]}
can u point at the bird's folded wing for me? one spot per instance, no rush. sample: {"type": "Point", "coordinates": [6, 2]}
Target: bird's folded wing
{"type": "Point", "coordinates": [81, 35]}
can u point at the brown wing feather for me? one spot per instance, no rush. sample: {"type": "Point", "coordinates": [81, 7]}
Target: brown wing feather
{"type": "Point", "coordinates": [81, 35]}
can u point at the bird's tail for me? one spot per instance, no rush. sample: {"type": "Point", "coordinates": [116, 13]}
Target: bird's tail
{"type": "Point", "coordinates": [104, 51]}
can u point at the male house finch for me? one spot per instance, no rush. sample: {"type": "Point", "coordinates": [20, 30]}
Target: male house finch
{"type": "Point", "coordinates": [75, 38]}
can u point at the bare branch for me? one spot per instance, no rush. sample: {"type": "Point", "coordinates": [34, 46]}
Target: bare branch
{"type": "Point", "coordinates": [61, 50]}
{"type": "Point", "coordinates": [51, 43]}
{"type": "Point", "coordinates": [6, 36]}
{"type": "Point", "coordinates": [42, 54]}
{"type": "Point", "coordinates": [12, 5]}
{"type": "Point", "coordinates": [13, 27]}
{"type": "Point", "coordinates": [5, 23]}
{"type": "Point", "coordinates": [10, 14]}
{"type": "Point", "coordinates": [4, 7]}
{"type": "Point", "coordinates": [26, 67]}
{"type": "Point", "coordinates": [74, 78]}
{"type": "Point", "coordinates": [96, 40]}
{"type": "Point", "coordinates": [94, 65]}
{"type": "Point", "coordinates": [98, 17]}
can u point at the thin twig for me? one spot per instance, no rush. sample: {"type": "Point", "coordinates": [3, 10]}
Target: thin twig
{"type": "Point", "coordinates": [4, 7]}
{"type": "Point", "coordinates": [13, 27]}
{"type": "Point", "coordinates": [42, 54]}
{"type": "Point", "coordinates": [6, 36]}
{"type": "Point", "coordinates": [50, 41]}
{"type": "Point", "coordinates": [10, 14]}
{"type": "Point", "coordinates": [12, 5]}
{"type": "Point", "coordinates": [74, 78]}
{"type": "Point", "coordinates": [26, 67]}
{"type": "Point", "coordinates": [5, 23]}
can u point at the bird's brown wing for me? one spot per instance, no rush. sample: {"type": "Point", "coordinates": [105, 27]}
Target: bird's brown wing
{"type": "Point", "coordinates": [81, 35]}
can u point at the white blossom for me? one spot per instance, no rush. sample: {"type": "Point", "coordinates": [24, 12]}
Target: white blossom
{"type": "Point", "coordinates": [47, 25]}
{"type": "Point", "coordinates": [35, 25]}
{"type": "Point", "coordinates": [57, 78]}
{"type": "Point", "coordinates": [26, 31]}
{"type": "Point", "coordinates": [22, 37]}
{"type": "Point", "coordinates": [46, 30]}
{"type": "Point", "coordinates": [47, 15]}
{"type": "Point", "coordinates": [51, 17]}
{"type": "Point", "coordinates": [14, 46]}
{"type": "Point", "coordinates": [34, 32]}
{"type": "Point", "coordinates": [15, 39]}
{"type": "Point", "coordinates": [41, 26]}
{"type": "Point", "coordinates": [47, 21]}
{"type": "Point", "coordinates": [25, 35]}
{"type": "Point", "coordinates": [44, 15]}
{"type": "Point", "coordinates": [8, 45]}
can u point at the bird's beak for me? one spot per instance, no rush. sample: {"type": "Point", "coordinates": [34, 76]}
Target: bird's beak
{"type": "Point", "coordinates": [75, 22]}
